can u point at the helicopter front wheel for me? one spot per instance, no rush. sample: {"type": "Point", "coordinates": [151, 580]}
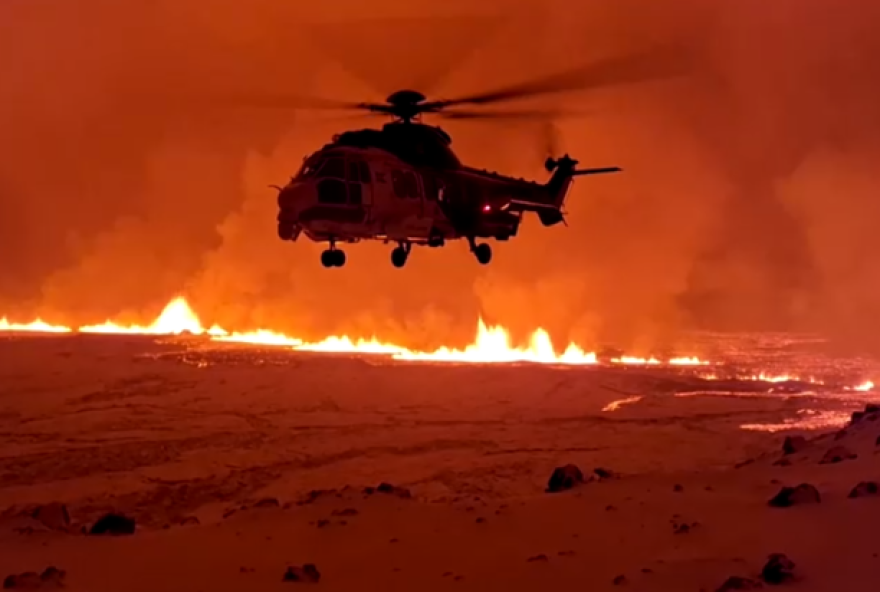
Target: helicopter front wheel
{"type": "Point", "coordinates": [333, 258]}
{"type": "Point", "coordinates": [400, 254]}
{"type": "Point", "coordinates": [483, 253]}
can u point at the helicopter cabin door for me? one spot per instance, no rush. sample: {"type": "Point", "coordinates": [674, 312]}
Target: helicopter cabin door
{"type": "Point", "coordinates": [360, 186]}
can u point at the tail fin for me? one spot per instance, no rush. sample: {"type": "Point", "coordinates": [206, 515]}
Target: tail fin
{"type": "Point", "coordinates": [548, 204]}
{"type": "Point", "coordinates": [564, 172]}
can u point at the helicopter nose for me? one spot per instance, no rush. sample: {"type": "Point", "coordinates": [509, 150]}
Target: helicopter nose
{"type": "Point", "coordinates": [294, 196]}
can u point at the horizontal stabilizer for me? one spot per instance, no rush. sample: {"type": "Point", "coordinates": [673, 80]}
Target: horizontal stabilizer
{"type": "Point", "coordinates": [524, 205]}
{"type": "Point", "coordinates": [597, 171]}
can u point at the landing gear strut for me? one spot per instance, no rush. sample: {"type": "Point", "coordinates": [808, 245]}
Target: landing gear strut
{"type": "Point", "coordinates": [482, 251]}
{"type": "Point", "coordinates": [400, 254]}
{"type": "Point", "coordinates": [333, 257]}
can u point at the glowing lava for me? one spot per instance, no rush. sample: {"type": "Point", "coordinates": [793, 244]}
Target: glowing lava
{"type": "Point", "coordinates": [491, 344]}
{"type": "Point", "coordinates": [37, 326]}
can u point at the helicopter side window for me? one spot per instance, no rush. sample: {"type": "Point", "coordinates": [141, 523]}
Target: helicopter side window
{"type": "Point", "coordinates": [398, 184]}
{"type": "Point", "coordinates": [354, 173]}
{"type": "Point", "coordinates": [333, 168]}
{"type": "Point", "coordinates": [412, 185]}
{"type": "Point", "coordinates": [431, 189]}
{"type": "Point", "coordinates": [365, 171]}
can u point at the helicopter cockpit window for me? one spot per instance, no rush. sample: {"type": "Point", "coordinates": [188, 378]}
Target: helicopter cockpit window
{"type": "Point", "coordinates": [310, 167]}
{"type": "Point", "coordinates": [333, 168]}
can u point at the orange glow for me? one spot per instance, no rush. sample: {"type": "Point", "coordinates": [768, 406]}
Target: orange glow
{"type": "Point", "coordinates": [37, 326]}
{"type": "Point", "coordinates": [491, 344]}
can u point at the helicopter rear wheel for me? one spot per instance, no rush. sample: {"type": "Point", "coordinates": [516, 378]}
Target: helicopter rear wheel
{"type": "Point", "coordinates": [483, 253]}
{"type": "Point", "coordinates": [333, 258]}
{"type": "Point", "coordinates": [399, 256]}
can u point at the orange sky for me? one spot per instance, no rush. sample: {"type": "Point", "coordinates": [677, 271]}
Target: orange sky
{"type": "Point", "coordinates": [747, 201]}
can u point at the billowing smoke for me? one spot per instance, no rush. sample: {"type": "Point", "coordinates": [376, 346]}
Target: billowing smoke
{"type": "Point", "coordinates": [746, 201]}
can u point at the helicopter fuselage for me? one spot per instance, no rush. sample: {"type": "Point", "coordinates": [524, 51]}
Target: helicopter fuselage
{"type": "Point", "coordinates": [411, 193]}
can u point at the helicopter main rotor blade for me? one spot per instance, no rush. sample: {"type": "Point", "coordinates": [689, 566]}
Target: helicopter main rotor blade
{"type": "Point", "coordinates": [283, 101]}
{"type": "Point", "coordinates": [524, 115]}
{"type": "Point", "coordinates": [658, 63]}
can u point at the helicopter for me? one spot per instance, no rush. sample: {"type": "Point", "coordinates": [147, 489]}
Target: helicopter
{"type": "Point", "coordinates": [404, 184]}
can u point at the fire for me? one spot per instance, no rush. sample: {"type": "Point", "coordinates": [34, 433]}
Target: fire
{"type": "Point", "coordinates": [492, 344]}
{"type": "Point", "coordinates": [37, 326]}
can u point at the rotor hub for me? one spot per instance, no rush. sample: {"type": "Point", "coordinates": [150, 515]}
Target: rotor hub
{"type": "Point", "coordinates": [406, 98]}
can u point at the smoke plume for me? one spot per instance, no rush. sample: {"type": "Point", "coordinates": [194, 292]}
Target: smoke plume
{"type": "Point", "coordinates": [746, 203]}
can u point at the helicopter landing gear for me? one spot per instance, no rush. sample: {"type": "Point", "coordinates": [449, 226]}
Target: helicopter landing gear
{"type": "Point", "coordinates": [483, 252]}
{"type": "Point", "coordinates": [400, 254]}
{"type": "Point", "coordinates": [333, 257]}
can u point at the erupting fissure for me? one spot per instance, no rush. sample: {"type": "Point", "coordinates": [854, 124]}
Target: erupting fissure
{"type": "Point", "coordinates": [492, 344]}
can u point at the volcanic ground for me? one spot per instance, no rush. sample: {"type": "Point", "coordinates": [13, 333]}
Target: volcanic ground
{"type": "Point", "coordinates": [249, 468]}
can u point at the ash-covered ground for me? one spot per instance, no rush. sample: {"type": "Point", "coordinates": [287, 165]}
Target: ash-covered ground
{"type": "Point", "coordinates": [214, 450]}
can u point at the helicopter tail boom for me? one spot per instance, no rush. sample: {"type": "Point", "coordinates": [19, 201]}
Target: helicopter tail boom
{"type": "Point", "coordinates": [549, 210]}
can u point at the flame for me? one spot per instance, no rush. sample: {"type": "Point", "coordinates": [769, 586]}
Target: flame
{"type": "Point", "coordinates": [37, 326]}
{"type": "Point", "coordinates": [491, 344]}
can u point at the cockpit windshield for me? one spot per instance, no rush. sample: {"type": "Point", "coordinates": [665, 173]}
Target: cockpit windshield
{"type": "Point", "coordinates": [322, 168]}
{"type": "Point", "coordinates": [310, 167]}
{"type": "Point", "coordinates": [332, 168]}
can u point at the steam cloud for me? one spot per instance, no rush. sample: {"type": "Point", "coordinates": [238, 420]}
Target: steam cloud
{"type": "Point", "coordinates": [746, 203]}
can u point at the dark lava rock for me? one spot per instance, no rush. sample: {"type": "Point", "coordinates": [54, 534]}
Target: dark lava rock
{"type": "Point", "coordinates": [778, 569]}
{"type": "Point", "coordinates": [113, 524]}
{"type": "Point", "coordinates": [794, 496]}
{"type": "Point", "coordinates": [865, 489]}
{"type": "Point", "coordinates": [793, 444]}
{"type": "Point", "coordinates": [308, 573]}
{"type": "Point", "coordinates": [52, 577]}
{"type": "Point", "coordinates": [856, 417]}
{"type": "Point", "coordinates": [782, 462]}
{"type": "Point", "coordinates": [389, 489]}
{"type": "Point", "coordinates": [269, 502]}
{"type": "Point", "coordinates": [54, 516]}
{"type": "Point", "coordinates": [619, 580]}
{"type": "Point", "coordinates": [837, 454]}
{"type": "Point", "coordinates": [540, 557]}
{"type": "Point", "coordinates": [677, 488]}
{"type": "Point", "coordinates": [739, 583]}
{"type": "Point", "coordinates": [564, 478]}
{"type": "Point", "coordinates": [601, 473]}
{"type": "Point", "coordinates": [344, 512]}
{"type": "Point", "coordinates": [316, 494]}
{"type": "Point", "coordinates": [681, 528]}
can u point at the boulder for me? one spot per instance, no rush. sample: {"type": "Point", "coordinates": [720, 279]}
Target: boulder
{"type": "Point", "coordinates": [794, 444]}
{"type": "Point", "coordinates": [837, 454]}
{"type": "Point", "coordinates": [565, 477]}
{"type": "Point", "coordinates": [779, 569]}
{"type": "Point", "coordinates": [865, 489]}
{"type": "Point", "coordinates": [113, 524]}
{"type": "Point", "coordinates": [795, 496]}
{"type": "Point", "coordinates": [308, 573]}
